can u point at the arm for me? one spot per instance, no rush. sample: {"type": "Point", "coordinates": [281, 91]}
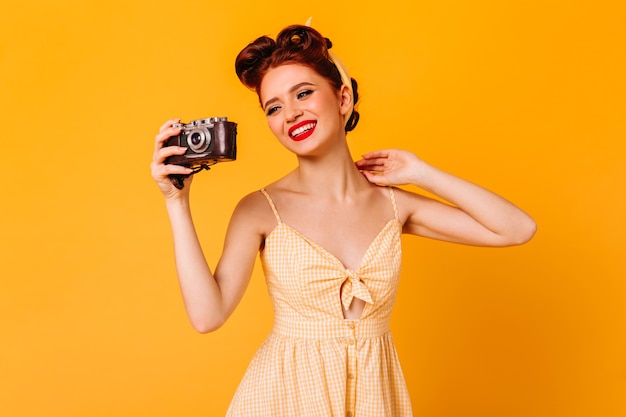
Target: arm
{"type": "Point", "coordinates": [209, 297]}
{"type": "Point", "coordinates": [475, 215]}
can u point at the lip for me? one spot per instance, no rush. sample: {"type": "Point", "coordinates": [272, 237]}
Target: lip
{"type": "Point", "coordinates": [305, 134]}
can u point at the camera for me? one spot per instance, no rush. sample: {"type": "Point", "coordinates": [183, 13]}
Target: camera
{"type": "Point", "coordinates": [208, 141]}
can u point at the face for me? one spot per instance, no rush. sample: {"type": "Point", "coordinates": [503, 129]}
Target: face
{"type": "Point", "coordinates": [303, 110]}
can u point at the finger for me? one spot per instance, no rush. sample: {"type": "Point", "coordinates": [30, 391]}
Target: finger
{"type": "Point", "coordinates": [160, 138]}
{"type": "Point", "coordinates": [169, 123]}
{"type": "Point", "coordinates": [368, 167]}
{"type": "Point", "coordinates": [374, 162]}
{"type": "Point", "coordinates": [176, 169]}
{"type": "Point", "coordinates": [383, 153]}
{"type": "Point", "coordinates": [374, 178]}
{"type": "Point", "coordinates": [162, 172]}
{"type": "Point", "coordinates": [161, 154]}
{"type": "Point", "coordinates": [167, 130]}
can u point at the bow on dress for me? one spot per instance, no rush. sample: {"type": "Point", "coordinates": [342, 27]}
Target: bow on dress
{"type": "Point", "coordinates": [354, 287]}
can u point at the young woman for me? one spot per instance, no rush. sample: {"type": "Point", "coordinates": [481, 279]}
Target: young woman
{"type": "Point", "coordinates": [328, 234]}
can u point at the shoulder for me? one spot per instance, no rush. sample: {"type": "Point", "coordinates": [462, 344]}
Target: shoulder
{"type": "Point", "coordinates": [252, 202]}
{"type": "Point", "coordinates": [410, 204]}
{"type": "Point", "coordinates": [255, 210]}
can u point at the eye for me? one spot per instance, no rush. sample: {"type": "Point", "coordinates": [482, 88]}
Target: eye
{"type": "Point", "coordinates": [302, 94]}
{"type": "Point", "coordinates": [272, 110]}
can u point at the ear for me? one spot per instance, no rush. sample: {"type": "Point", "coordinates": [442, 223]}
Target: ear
{"type": "Point", "coordinates": [345, 103]}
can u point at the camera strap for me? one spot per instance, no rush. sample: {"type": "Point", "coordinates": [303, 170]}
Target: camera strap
{"type": "Point", "coordinates": [178, 179]}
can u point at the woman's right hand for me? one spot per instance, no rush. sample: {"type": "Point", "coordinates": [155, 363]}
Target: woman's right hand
{"type": "Point", "coordinates": [160, 170]}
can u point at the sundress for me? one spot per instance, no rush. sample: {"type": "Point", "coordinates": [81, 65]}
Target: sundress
{"type": "Point", "coordinates": [315, 362]}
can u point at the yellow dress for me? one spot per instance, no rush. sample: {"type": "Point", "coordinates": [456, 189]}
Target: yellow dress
{"type": "Point", "coordinates": [315, 362]}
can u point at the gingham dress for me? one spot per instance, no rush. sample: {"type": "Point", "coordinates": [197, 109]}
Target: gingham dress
{"type": "Point", "coordinates": [315, 362]}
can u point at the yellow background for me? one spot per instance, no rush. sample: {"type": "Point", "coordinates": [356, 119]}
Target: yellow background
{"type": "Point", "coordinates": [524, 97]}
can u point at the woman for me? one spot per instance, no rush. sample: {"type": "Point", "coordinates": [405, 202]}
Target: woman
{"type": "Point", "coordinates": [328, 234]}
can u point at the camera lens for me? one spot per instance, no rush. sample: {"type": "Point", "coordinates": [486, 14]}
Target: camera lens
{"type": "Point", "coordinates": [199, 140]}
{"type": "Point", "coordinates": [196, 138]}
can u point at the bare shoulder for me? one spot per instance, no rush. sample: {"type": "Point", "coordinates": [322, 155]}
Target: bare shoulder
{"type": "Point", "coordinates": [255, 211]}
{"type": "Point", "coordinates": [410, 203]}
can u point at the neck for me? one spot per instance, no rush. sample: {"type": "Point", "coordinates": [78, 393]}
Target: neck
{"type": "Point", "coordinates": [332, 174]}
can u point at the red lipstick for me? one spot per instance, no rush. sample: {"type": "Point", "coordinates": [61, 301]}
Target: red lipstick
{"type": "Point", "coordinates": [302, 130]}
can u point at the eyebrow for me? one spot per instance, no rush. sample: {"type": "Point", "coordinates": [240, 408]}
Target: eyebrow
{"type": "Point", "coordinates": [291, 90]}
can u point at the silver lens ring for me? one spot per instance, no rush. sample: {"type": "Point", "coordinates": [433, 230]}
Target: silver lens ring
{"type": "Point", "coordinates": [199, 140]}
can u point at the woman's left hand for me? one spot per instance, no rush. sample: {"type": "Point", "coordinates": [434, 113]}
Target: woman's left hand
{"type": "Point", "coordinates": [390, 167]}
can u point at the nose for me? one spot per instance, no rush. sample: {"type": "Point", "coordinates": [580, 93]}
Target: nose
{"type": "Point", "coordinates": [293, 113]}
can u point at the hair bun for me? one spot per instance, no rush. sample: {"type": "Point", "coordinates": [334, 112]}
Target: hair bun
{"type": "Point", "coordinates": [251, 58]}
{"type": "Point", "coordinates": [297, 38]}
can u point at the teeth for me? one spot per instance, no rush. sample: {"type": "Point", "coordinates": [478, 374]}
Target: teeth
{"type": "Point", "coordinates": [302, 129]}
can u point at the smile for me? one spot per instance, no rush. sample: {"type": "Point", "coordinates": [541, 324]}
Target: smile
{"type": "Point", "coordinates": [302, 130]}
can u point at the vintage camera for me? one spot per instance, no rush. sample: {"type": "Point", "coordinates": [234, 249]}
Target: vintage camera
{"type": "Point", "coordinates": [208, 141]}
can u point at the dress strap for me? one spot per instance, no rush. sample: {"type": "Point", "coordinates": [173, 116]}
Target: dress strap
{"type": "Point", "coordinates": [393, 202]}
{"type": "Point", "coordinates": [272, 205]}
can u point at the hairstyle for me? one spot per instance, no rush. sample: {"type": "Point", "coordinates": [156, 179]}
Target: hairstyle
{"type": "Point", "coordinates": [295, 44]}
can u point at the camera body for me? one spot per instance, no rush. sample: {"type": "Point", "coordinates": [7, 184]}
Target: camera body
{"type": "Point", "coordinates": [208, 141]}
